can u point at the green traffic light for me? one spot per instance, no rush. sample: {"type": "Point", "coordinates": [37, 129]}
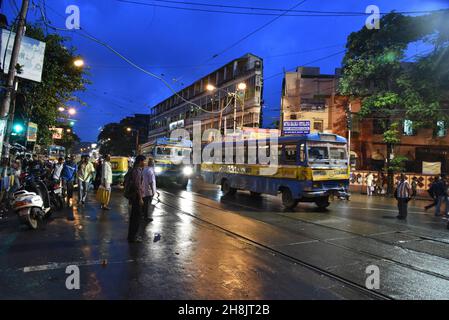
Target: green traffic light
{"type": "Point", "coordinates": [18, 128]}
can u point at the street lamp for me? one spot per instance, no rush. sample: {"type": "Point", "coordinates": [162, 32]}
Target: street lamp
{"type": "Point", "coordinates": [241, 87]}
{"type": "Point", "coordinates": [79, 63]}
{"type": "Point", "coordinates": [72, 111]}
{"type": "Point", "coordinates": [61, 109]}
{"type": "Point", "coordinates": [129, 129]}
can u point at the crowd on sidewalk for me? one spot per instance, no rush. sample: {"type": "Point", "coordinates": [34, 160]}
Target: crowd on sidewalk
{"type": "Point", "coordinates": [139, 184]}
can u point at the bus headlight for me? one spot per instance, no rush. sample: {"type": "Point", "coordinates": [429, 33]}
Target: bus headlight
{"type": "Point", "coordinates": [187, 171]}
{"type": "Point", "coordinates": [157, 169]}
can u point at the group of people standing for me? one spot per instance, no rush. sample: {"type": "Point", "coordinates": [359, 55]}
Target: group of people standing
{"type": "Point", "coordinates": [140, 188]}
{"type": "Point", "coordinates": [439, 192]}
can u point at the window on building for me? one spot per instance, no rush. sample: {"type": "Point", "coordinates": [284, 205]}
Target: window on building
{"type": "Point", "coordinates": [441, 129]}
{"type": "Point", "coordinates": [293, 117]}
{"type": "Point", "coordinates": [408, 128]}
{"type": "Point", "coordinates": [318, 125]}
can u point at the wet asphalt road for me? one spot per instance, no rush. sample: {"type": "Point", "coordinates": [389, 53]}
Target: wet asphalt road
{"type": "Point", "coordinates": [228, 248]}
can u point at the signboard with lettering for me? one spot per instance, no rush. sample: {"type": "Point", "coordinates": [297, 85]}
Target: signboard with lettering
{"type": "Point", "coordinates": [295, 127]}
{"type": "Point", "coordinates": [57, 133]}
{"type": "Point", "coordinates": [31, 55]}
{"type": "Point", "coordinates": [32, 132]}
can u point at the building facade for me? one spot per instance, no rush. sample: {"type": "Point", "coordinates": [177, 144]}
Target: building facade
{"type": "Point", "coordinates": [308, 95]}
{"type": "Point", "coordinates": [215, 109]}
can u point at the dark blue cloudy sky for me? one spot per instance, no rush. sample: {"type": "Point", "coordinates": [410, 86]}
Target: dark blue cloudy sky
{"type": "Point", "coordinates": [174, 42]}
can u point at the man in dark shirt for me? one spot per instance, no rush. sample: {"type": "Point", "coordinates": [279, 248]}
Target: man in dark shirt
{"type": "Point", "coordinates": [441, 195]}
{"type": "Point", "coordinates": [136, 199]}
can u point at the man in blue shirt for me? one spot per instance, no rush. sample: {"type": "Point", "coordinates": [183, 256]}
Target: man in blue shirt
{"type": "Point", "coordinates": [68, 176]}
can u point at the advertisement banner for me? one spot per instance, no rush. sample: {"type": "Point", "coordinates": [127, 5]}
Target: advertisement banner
{"type": "Point", "coordinates": [31, 55]}
{"type": "Point", "coordinates": [433, 168]}
{"type": "Point", "coordinates": [32, 132]}
{"type": "Point", "coordinates": [57, 133]}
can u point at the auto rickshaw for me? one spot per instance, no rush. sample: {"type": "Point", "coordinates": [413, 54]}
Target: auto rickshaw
{"type": "Point", "coordinates": [119, 166]}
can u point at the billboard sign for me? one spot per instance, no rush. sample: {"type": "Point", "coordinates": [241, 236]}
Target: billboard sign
{"type": "Point", "coordinates": [295, 127]}
{"type": "Point", "coordinates": [57, 133]}
{"type": "Point", "coordinates": [32, 132]}
{"type": "Point", "coordinates": [31, 55]}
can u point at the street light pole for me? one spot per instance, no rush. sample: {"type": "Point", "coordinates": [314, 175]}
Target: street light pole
{"type": "Point", "coordinates": [4, 111]}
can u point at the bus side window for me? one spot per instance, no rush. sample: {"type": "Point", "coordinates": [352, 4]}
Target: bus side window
{"type": "Point", "coordinates": [290, 154]}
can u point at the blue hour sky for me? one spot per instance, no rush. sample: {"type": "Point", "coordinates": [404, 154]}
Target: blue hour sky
{"type": "Point", "coordinates": [179, 44]}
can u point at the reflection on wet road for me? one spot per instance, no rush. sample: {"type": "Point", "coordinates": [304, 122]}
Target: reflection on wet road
{"type": "Point", "coordinates": [243, 247]}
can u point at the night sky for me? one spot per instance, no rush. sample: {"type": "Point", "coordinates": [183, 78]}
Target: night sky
{"type": "Point", "coordinates": [180, 44]}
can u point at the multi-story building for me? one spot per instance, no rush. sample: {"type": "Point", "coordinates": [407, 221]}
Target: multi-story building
{"type": "Point", "coordinates": [307, 95]}
{"type": "Point", "coordinates": [215, 109]}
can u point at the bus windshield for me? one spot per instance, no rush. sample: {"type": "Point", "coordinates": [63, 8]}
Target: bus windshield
{"type": "Point", "coordinates": [326, 154]}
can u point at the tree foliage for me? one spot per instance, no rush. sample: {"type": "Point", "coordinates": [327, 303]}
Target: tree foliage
{"type": "Point", "coordinates": [374, 69]}
{"type": "Point", "coordinates": [114, 140]}
{"type": "Point", "coordinates": [60, 79]}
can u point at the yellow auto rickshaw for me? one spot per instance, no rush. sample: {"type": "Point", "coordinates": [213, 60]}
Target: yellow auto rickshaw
{"type": "Point", "coordinates": [119, 166]}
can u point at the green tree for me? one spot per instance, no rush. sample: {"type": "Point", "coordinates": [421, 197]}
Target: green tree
{"type": "Point", "coordinates": [115, 140]}
{"type": "Point", "coordinates": [390, 89]}
{"type": "Point", "coordinates": [60, 80]}
{"type": "Point", "coordinates": [69, 140]}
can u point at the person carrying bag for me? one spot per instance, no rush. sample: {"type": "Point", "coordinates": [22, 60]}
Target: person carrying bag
{"type": "Point", "coordinates": [104, 190]}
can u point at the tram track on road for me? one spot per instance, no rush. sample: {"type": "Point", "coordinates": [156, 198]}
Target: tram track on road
{"type": "Point", "coordinates": [362, 252]}
{"type": "Point", "coordinates": [271, 249]}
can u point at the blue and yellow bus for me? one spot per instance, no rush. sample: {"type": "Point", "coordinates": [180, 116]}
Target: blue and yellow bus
{"type": "Point", "coordinates": [310, 168]}
{"type": "Point", "coordinates": [169, 155]}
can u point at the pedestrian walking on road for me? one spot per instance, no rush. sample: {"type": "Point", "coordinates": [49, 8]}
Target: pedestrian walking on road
{"type": "Point", "coordinates": [134, 192]}
{"type": "Point", "coordinates": [85, 174]}
{"type": "Point", "coordinates": [441, 195]}
{"type": "Point", "coordinates": [414, 187]}
{"type": "Point", "coordinates": [431, 192]}
{"type": "Point", "coordinates": [149, 185]}
{"type": "Point", "coordinates": [369, 184]}
{"type": "Point", "coordinates": [402, 194]}
{"type": "Point", "coordinates": [98, 174]}
{"type": "Point", "coordinates": [106, 181]}
{"type": "Point", "coordinates": [68, 176]}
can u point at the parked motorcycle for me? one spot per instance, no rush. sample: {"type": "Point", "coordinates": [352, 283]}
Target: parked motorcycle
{"type": "Point", "coordinates": [33, 202]}
{"type": "Point", "coordinates": [30, 208]}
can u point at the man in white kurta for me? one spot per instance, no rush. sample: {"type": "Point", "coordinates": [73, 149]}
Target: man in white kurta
{"type": "Point", "coordinates": [106, 180]}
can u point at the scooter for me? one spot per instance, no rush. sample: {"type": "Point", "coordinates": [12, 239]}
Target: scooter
{"type": "Point", "coordinates": [30, 208]}
{"type": "Point", "coordinates": [33, 202]}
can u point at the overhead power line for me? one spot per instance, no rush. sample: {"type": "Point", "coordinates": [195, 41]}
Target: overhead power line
{"type": "Point", "coordinates": [106, 45]}
{"type": "Point", "coordinates": [305, 64]}
{"type": "Point", "coordinates": [251, 33]}
{"type": "Point", "coordinates": [185, 5]}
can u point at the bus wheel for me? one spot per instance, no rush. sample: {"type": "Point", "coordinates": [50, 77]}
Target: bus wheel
{"type": "Point", "coordinates": [322, 202]}
{"type": "Point", "coordinates": [255, 194]}
{"type": "Point", "coordinates": [287, 199]}
{"type": "Point", "coordinates": [227, 189]}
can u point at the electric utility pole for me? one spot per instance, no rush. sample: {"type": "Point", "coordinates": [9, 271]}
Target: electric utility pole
{"type": "Point", "coordinates": [4, 110]}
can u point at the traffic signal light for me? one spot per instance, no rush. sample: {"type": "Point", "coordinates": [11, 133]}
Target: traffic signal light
{"type": "Point", "coordinates": [18, 128]}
